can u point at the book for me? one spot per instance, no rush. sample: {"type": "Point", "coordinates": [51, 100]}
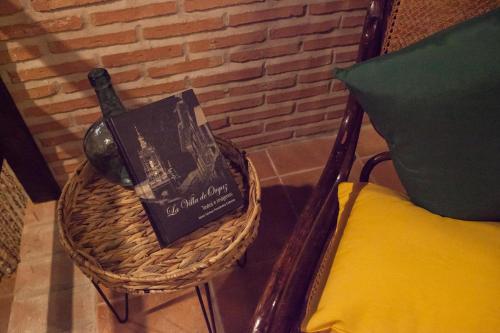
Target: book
{"type": "Point", "coordinates": [176, 166]}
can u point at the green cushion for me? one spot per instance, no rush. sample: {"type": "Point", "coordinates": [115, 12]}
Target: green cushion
{"type": "Point", "coordinates": [437, 105]}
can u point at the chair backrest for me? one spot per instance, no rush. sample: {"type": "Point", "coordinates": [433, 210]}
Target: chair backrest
{"type": "Point", "coordinates": [413, 20]}
{"type": "Point", "coordinates": [389, 26]}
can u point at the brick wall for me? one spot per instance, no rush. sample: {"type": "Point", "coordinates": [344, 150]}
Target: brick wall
{"type": "Point", "coordinates": [262, 69]}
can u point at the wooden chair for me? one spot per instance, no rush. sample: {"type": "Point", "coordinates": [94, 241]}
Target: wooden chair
{"type": "Point", "coordinates": [282, 306]}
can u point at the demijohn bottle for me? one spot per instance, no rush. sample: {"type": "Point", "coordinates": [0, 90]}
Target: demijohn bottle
{"type": "Point", "coordinates": [98, 144]}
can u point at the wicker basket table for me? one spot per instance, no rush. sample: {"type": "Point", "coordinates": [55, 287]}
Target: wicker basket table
{"type": "Point", "coordinates": [106, 232]}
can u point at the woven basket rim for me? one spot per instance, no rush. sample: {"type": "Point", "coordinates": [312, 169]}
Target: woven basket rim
{"type": "Point", "coordinates": [253, 209]}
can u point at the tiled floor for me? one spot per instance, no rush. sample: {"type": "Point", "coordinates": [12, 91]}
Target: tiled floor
{"type": "Point", "coordinates": [47, 294]}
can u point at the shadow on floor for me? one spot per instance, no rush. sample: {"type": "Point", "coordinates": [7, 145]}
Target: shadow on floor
{"type": "Point", "coordinates": [236, 291]}
{"type": "Point", "coordinates": [60, 309]}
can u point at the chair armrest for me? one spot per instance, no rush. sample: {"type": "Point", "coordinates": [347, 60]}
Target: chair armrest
{"type": "Point", "coordinates": [372, 163]}
{"type": "Point", "coordinates": [280, 307]}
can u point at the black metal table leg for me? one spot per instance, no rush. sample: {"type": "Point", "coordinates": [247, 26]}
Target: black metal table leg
{"type": "Point", "coordinates": [108, 303]}
{"type": "Point", "coordinates": [210, 306]}
{"type": "Point", "coordinates": [210, 323]}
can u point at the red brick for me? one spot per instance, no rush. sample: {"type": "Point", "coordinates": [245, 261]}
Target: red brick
{"type": "Point", "coordinates": [322, 103]}
{"type": "Point", "coordinates": [233, 106]}
{"type": "Point", "coordinates": [39, 28]}
{"type": "Point", "coordinates": [337, 86]}
{"type": "Point", "coordinates": [47, 5]}
{"type": "Point", "coordinates": [329, 42]}
{"type": "Point", "coordinates": [345, 56]}
{"type": "Point", "coordinates": [183, 28]}
{"type": "Point", "coordinates": [156, 89]}
{"type": "Point", "coordinates": [10, 7]}
{"type": "Point", "coordinates": [133, 57]}
{"type": "Point", "coordinates": [305, 29]}
{"type": "Point", "coordinates": [87, 119]}
{"type": "Point", "coordinates": [52, 125]}
{"type": "Point", "coordinates": [227, 41]}
{"type": "Point", "coordinates": [244, 118]}
{"type": "Point", "coordinates": [218, 124]}
{"type": "Point", "coordinates": [296, 65]}
{"type": "Point", "coordinates": [126, 76]}
{"type": "Point", "coordinates": [120, 77]}
{"type": "Point", "coordinates": [185, 66]}
{"type": "Point", "coordinates": [63, 138]}
{"type": "Point", "coordinates": [261, 140]}
{"type": "Point", "coordinates": [317, 76]}
{"type": "Point", "coordinates": [344, 64]}
{"type": "Point", "coordinates": [195, 5]}
{"type": "Point", "coordinates": [328, 127]}
{"type": "Point", "coordinates": [60, 107]}
{"type": "Point", "coordinates": [123, 37]}
{"type": "Point", "coordinates": [51, 71]}
{"type": "Point", "coordinates": [270, 52]}
{"type": "Point", "coordinates": [297, 94]}
{"type": "Point", "coordinates": [21, 53]}
{"type": "Point", "coordinates": [210, 95]}
{"type": "Point", "coordinates": [239, 132]}
{"type": "Point", "coordinates": [294, 122]}
{"type": "Point", "coordinates": [244, 74]}
{"type": "Point", "coordinates": [34, 93]}
{"type": "Point", "coordinates": [263, 86]}
{"type": "Point", "coordinates": [353, 21]}
{"type": "Point", "coordinates": [336, 114]}
{"type": "Point", "coordinates": [266, 15]}
{"type": "Point", "coordinates": [337, 6]}
{"type": "Point", "coordinates": [133, 13]}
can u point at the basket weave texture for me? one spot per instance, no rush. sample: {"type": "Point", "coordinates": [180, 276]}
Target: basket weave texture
{"type": "Point", "coordinates": [413, 20]}
{"type": "Point", "coordinates": [13, 205]}
{"type": "Point", "coordinates": [105, 230]}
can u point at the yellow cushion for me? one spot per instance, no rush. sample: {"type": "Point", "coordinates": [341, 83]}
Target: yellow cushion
{"type": "Point", "coordinates": [400, 268]}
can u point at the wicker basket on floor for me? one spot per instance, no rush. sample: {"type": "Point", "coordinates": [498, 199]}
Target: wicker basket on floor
{"type": "Point", "coordinates": [13, 205]}
{"type": "Point", "coordinates": [106, 232]}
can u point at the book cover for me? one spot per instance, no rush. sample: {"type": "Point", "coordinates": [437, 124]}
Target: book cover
{"type": "Point", "coordinates": [177, 168]}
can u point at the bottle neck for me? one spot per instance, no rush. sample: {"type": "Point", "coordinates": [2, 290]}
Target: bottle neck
{"type": "Point", "coordinates": [109, 101]}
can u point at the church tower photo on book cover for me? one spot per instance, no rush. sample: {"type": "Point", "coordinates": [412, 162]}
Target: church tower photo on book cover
{"type": "Point", "coordinates": [178, 170]}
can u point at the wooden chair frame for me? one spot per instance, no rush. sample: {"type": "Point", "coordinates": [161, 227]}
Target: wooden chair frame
{"type": "Point", "coordinates": [281, 306]}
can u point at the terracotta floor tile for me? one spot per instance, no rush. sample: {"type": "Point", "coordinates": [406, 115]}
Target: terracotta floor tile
{"type": "Point", "coordinates": [301, 155]}
{"type": "Point", "coordinates": [276, 222]}
{"type": "Point", "coordinates": [39, 240]}
{"type": "Point", "coordinates": [30, 217]}
{"type": "Point", "coordinates": [110, 294]}
{"type": "Point", "coordinates": [7, 285]}
{"type": "Point", "coordinates": [299, 186]}
{"type": "Point", "coordinates": [238, 292]}
{"type": "Point", "coordinates": [156, 313]}
{"type": "Point", "coordinates": [48, 274]}
{"type": "Point", "coordinates": [46, 211]}
{"type": "Point", "coordinates": [370, 142]}
{"type": "Point", "coordinates": [61, 311]}
{"type": "Point", "coordinates": [262, 164]}
{"type": "Point", "coordinates": [5, 309]}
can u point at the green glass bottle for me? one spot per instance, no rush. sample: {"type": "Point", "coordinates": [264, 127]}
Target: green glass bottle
{"type": "Point", "coordinates": [98, 143]}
